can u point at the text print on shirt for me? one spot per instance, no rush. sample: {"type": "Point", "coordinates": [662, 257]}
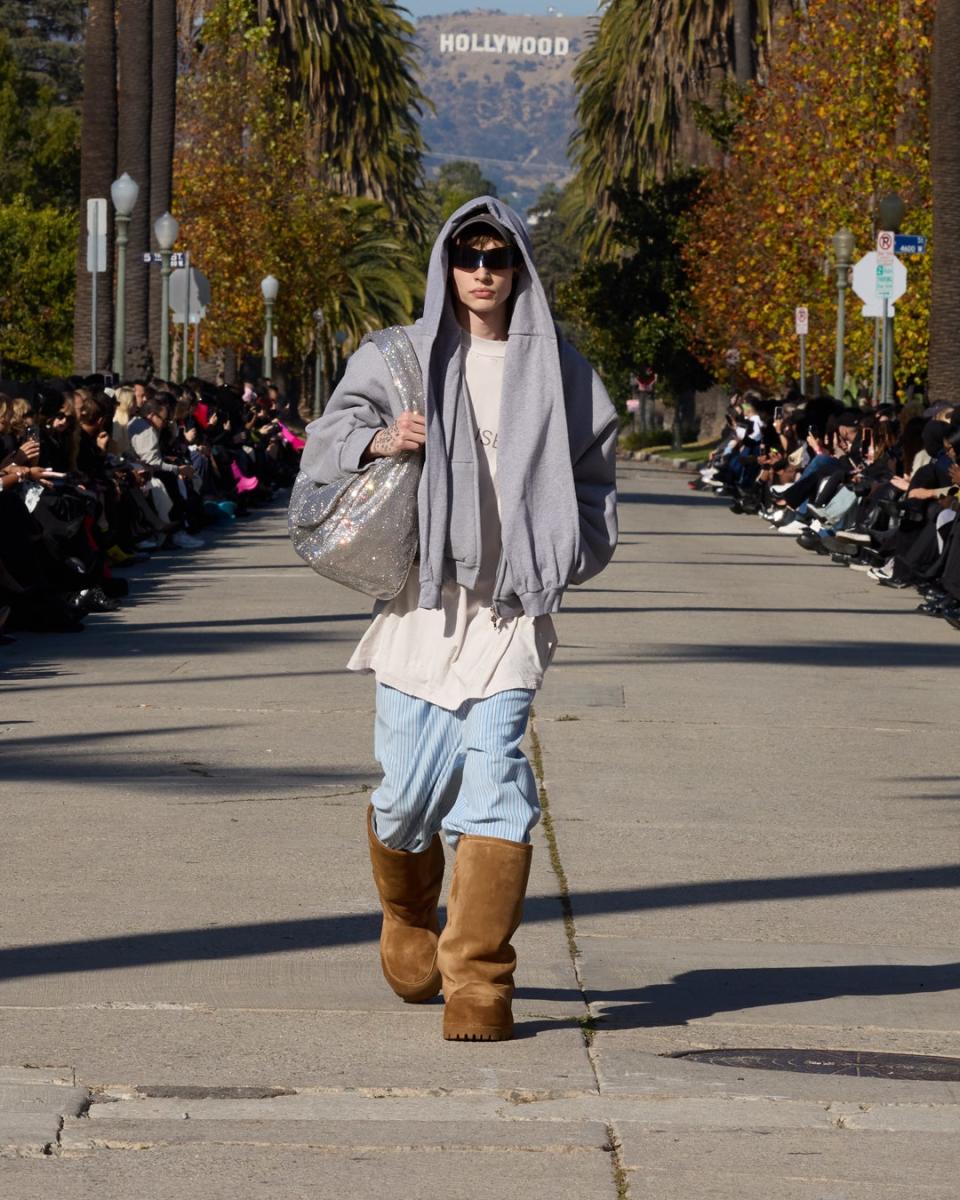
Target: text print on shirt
{"type": "Point", "coordinates": [488, 437]}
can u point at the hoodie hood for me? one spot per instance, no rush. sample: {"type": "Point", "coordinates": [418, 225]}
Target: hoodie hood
{"type": "Point", "coordinates": [539, 518]}
{"type": "Point", "coordinates": [531, 312]}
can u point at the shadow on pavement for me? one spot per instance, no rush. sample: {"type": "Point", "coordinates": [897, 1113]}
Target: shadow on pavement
{"type": "Point", "coordinates": [694, 995]}
{"type": "Point", "coordinates": [274, 937]}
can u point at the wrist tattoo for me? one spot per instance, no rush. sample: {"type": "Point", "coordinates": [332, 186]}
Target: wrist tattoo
{"type": "Point", "coordinates": [385, 442]}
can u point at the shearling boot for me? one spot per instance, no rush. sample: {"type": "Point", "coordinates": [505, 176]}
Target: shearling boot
{"type": "Point", "coordinates": [409, 886]}
{"type": "Point", "coordinates": [476, 959]}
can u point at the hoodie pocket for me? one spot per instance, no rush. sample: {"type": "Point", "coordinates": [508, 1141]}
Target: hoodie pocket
{"type": "Point", "coordinates": [461, 544]}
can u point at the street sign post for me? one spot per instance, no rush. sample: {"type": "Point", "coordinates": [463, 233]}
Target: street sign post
{"type": "Point", "coordinates": [189, 297]}
{"type": "Point", "coordinates": [96, 263]}
{"type": "Point", "coordinates": [880, 279]}
{"type": "Point", "coordinates": [884, 289]}
{"type": "Point", "coordinates": [802, 325]}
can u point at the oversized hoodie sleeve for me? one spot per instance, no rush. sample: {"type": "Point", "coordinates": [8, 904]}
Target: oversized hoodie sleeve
{"type": "Point", "coordinates": [593, 427]}
{"type": "Point", "coordinates": [363, 402]}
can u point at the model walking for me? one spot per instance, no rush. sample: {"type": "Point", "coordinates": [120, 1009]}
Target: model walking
{"type": "Point", "coordinates": [516, 501]}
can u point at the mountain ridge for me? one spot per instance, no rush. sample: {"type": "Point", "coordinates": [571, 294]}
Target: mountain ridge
{"type": "Point", "coordinates": [502, 87]}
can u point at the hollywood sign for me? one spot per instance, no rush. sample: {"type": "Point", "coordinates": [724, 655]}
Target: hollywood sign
{"type": "Point", "coordinates": [503, 43]}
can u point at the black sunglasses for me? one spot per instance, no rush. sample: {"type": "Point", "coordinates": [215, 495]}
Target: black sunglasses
{"type": "Point", "coordinates": [469, 258]}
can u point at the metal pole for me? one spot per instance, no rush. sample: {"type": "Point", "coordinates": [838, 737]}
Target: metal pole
{"type": "Point", "coordinates": [317, 370]}
{"type": "Point", "coordinates": [165, 315]}
{"type": "Point", "coordinates": [196, 347]}
{"type": "Point", "coordinates": [888, 366]}
{"type": "Point", "coordinates": [838, 371]}
{"type": "Point", "coordinates": [803, 364]}
{"type": "Point", "coordinates": [93, 327]}
{"type": "Point", "coordinates": [268, 341]}
{"type": "Point", "coordinates": [120, 311]}
{"type": "Point", "coordinates": [883, 350]}
{"type": "Point", "coordinates": [185, 356]}
{"type": "Point", "coordinates": [875, 388]}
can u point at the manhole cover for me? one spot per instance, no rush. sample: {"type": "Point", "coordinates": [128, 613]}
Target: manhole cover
{"type": "Point", "coordinates": [866, 1064]}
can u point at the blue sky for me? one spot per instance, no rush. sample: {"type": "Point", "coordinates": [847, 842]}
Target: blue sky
{"type": "Point", "coordinates": [435, 8]}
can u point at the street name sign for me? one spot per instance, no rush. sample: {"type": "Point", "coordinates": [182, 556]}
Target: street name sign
{"type": "Point", "coordinates": [910, 243]}
{"type": "Point", "coordinates": [178, 258]}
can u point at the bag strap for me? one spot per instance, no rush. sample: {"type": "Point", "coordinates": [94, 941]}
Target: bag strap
{"type": "Point", "coordinates": [404, 366]}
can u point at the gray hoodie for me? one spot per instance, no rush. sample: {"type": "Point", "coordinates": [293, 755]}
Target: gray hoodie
{"type": "Point", "coordinates": [557, 438]}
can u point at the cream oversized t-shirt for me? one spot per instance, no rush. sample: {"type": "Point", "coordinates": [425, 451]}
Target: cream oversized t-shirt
{"type": "Point", "coordinates": [460, 651]}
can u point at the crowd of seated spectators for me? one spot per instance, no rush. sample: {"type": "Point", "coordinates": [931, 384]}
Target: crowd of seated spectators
{"type": "Point", "coordinates": [93, 479]}
{"type": "Point", "coordinates": [873, 488]}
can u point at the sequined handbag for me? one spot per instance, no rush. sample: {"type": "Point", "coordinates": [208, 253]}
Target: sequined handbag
{"type": "Point", "coordinates": [362, 531]}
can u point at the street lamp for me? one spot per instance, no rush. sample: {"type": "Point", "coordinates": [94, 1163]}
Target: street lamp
{"type": "Point", "coordinates": [318, 381]}
{"type": "Point", "coordinates": [166, 230]}
{"type": "Point", "coordinates": [843, 245]}
{"type": "Point", "coordinates": [124, 192]}
{"type": "Point", "coordinates": [269, 287]}
{"type": "Point", "coordinates": [890, 212]}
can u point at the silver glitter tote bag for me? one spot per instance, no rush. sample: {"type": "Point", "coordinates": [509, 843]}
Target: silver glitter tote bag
{"type": "Point", "coordinates": [362, 531]}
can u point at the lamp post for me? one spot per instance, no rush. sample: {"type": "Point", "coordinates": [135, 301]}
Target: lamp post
{"type": "Point", "coordinates": [318, 380]}
{"type": "Point", "coordinates": [166, 230]}
{"type": "Point", "coordinates": [124, 192]}
{"type": "Point", "coordinates": [890, 214]}
{"type": "Point", "coordinates": [269, 287]}
{"type": "Point", "coordinates": [843, 245]}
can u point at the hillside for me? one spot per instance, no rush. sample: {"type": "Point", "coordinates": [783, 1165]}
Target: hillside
{"type": "Point", "coordinates": [503, 90]}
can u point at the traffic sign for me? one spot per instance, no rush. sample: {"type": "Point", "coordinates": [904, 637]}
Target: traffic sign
{"type": "Point", "coordinates": [802, 320]}
{"type": "Point", "coordinates": [865, 283]}
{"type": "Point", "coordinates": [199, 294]}
{"type": "Point", "coordinates": [910, 243]}
{"type": "Point", "coordinates": [96, 236]}
{"type": "Point", "coordinates": [884, 286]}
{"type": "Point", "coordinates": [885, 243]}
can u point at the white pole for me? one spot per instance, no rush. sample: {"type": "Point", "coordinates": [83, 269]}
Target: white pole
{"type": "Point", "coordinates": [93, 328]}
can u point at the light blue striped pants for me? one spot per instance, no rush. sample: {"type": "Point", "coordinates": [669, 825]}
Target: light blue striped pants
{"type": "Point", "coordinates": [462, 771]}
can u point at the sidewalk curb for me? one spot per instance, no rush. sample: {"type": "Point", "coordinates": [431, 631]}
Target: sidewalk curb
{"type": "Point", "coordinates": [657, 460]}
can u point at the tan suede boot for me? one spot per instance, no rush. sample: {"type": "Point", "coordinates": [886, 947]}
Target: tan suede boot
{"type": "Point", "coordinates": [476, 959]}
{"type": "Point", "coordinates": [409, 887]}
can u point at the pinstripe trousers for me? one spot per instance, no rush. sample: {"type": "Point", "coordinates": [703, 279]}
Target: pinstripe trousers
{"type": "Point", "coordinates": [461, 771]}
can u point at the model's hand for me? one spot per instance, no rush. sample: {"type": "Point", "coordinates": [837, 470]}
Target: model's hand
{"type": "Point", "coordinates": [408, 432]}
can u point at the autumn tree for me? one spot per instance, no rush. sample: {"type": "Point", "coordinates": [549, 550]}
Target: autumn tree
{"type": "Point", "coordinates": [251, 205]}
{"type": "Point", "coordinates": [816, 149]}
{"type": "Point", "coordinates": [945, 167]}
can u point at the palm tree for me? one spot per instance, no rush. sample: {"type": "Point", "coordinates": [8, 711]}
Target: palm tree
{"type": "Point", "coordinates": [134, 49]}
{"type": "Point", "coordinates": [945, 172]}
{"type": "Point", "coordinates": [162, 126]}
{"type": "Point", "coordinates": [648, 61]}
{"type": "Point", "coordinates": [352, 63]}
{"type": "Point", "coordinates": [98, 162]}
{"type": "Point", "coordinates": [381, 281]}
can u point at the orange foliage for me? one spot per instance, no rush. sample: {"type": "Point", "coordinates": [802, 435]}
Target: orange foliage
{"type": "Point", "coordinates": [841, 122]}
{"type": "Point", "coordinates": [248, 202]}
